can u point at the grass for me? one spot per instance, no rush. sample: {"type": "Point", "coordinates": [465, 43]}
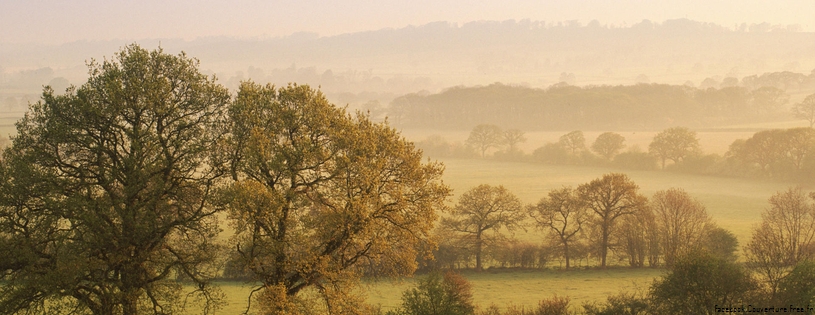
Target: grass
{"type": "Point", "coordinates": [527, 287]}
{"type": "Point", "coordinates": [501, 287]}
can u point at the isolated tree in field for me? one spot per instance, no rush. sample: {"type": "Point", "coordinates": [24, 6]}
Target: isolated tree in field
{"type": "Point", "coordinates": [610, 197]}
{"type": "Point", "coordinates": [806, 110]}
{"type": "Point", "coordinates": [674, 144]}
{"type": "Point", "coordinates": [785, 237]}
{"type": "Point", "coordinates": [107, 190]}
{"type": "Point", "coordinates": [562, 214]}
{"type": "Point", "coordinates": [573, 141]}
{"type": "Point", "coordinates": [681, 223]}
{"type": "Point", "coordinates": [484, 137]}
{"type": "Point", "coordinates": [512, 138]}
{"type": "Point", "coordinates": [608, 144]}
{"type": "Point", "coordinates": [481, 213]}
{"type": "Point", "coordinates": [319, 194]}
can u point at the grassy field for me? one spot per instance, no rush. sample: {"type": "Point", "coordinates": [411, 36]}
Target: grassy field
{"type": "Point", "coordinates": [527, 287]}
{"type": "Point", "coordinates": [499, 287]}
{"type": "Point", "coordinates": [734, 203]}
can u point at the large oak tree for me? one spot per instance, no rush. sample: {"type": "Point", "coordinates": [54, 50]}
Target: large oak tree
{"type": "Point", "coordinates": [321, 197]}
{"type": "Point", "coordinates": [106, 191]}
{"type": "Point", "coordinates": [480, 215]}
{"type": "Point", "coordinates": [610, 197]}
{"type": "Point", "coordinates": [562, 213]}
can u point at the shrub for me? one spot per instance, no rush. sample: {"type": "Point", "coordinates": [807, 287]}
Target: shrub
{"type": "Point", "coordinates": [450, 294]}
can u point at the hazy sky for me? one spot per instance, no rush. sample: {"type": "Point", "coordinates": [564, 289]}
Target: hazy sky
{"type": "Point", "coordinates": [61, 21]}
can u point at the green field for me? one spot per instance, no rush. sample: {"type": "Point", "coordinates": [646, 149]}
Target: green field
{"type": "Point", "coordinates": [502, 287]}
{"type": "Point", "coordinates": [733, 203]}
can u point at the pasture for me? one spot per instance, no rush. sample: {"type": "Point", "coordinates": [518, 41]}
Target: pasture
{"type": "Point", "coordinates": [733, 203]}
{"type": "Point", "coordinates": [498, 287]}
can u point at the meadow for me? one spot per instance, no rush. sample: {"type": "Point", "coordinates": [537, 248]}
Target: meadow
{"type": "Point", "coordinates": [499, 287]}
{"type": "Point", "coordinates": [733, 203]}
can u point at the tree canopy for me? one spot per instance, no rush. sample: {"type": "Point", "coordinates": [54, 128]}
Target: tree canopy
{"type": "Point", "coordinates": [610, 197]}
{"type": "Point", "coordinates": [674, 144]}
{"type": "Point", "coordinates": [321, 197]}
{"type": "Point", "coordinates": [107, 190]}
{"type": "Point", "coordinates": [481, 213]}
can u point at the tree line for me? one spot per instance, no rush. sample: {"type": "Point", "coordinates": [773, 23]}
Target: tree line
{"type": "Point", "coordinates": [703, 275]}
{"type": "Point", "coordinates": [592, 221]}
{"type": "Point", "coordinates": [784, 154]}
{"type": "Point", "coordinates": [563, 106]}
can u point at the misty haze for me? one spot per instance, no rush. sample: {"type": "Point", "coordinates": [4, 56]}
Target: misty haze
{"type": "Point", "coordinates": [493, 163]}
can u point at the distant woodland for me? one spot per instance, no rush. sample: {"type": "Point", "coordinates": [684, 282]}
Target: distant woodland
{"type": "Point", "coordinates": [632, 107]}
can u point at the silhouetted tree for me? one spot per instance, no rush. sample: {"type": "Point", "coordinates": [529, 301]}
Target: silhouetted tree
{"type": "Point", "coordinates": [674, 144]}
{"type": "Point", "coordinates": [574, 142]}
{"type": "Point", "coordinates": [484, 137]}
{"type": "Point", "coordinates": [806, 110]}
{"type": "Point", "coordinates": [681, 222]}
{"type": "Point", "coordinates": [512, 138]}
{"type": "Point", "coordinates": [638, 238]}
{"type": "Point", "coordinates": [608, 144]}
{"type": "Point", "coordinates": [562, 214]}
{"type": "Point", "coordinates": [785, 237]}
{"type": "Point", "coordinates": [481, 210]}
{"type": "Point", "coordinates": [610, 197]}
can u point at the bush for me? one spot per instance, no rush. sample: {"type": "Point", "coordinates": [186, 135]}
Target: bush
{"type": "Point", "coordinates": [621, 304]}
{"type": "Point", "coordinates": [798, 288]}
{"type": "Point", "coordinates": [552, 306]}
{"type": "Point", "coordinates": [518, 254]}
{"type": "Point", "coordinates": [450, 294]}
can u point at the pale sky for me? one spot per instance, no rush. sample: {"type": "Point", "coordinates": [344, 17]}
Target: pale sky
{"type": "Point", "coordinates": [62, 21]}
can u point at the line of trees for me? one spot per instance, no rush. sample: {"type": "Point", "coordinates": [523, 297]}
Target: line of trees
{"type": "Point", "coordinates": [562, 106]}
{"type": "Point", "coordinates": [606, 215]}
{"type": "Point", "coordinates": [786, 154]}
{"type": "Point", "coordinates": [778, 274]}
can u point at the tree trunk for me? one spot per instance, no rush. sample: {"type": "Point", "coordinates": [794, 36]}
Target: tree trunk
{"type": "Point", "coordinates": [566, 253]}
{"type": "Point", "coordinates": [478, 252]}
{"type": "Point", "coordinates": [604, 246]}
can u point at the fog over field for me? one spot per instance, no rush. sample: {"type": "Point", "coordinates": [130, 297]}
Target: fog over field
{"type": "Point", "coordinates": [574, 157]}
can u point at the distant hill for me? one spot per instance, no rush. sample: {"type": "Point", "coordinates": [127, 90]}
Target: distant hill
{"type": "Point", "coordinates": [378, 65]}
